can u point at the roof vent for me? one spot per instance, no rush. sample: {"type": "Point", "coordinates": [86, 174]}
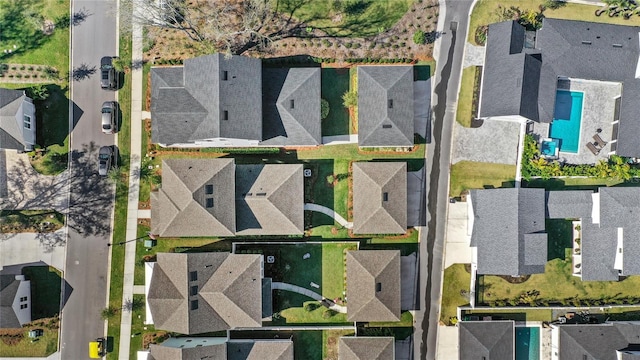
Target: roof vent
{"type": "Point", "coordinates": [586, 42]}
{"type": "Point", "coordinates": [386, 126]}
{"type": "Point", "coordinates": [261, 194]}
{"type": "Point", "coordinates": [617, 45]}
{"type": "Point", "coordinates": [378, 287]}
{"type": "Point", "coordinates": [390, 103]}
{"type": "Point", "coordinates": [385, 196]}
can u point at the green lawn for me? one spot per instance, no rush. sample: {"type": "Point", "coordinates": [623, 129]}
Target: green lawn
{"type": "Point", "coordinates": [330, 341]}
{"type": "Point", "coordinates": [352, 152]}
{"type": "Point", "coordinates": [559, 234]}
{"type": "Point", "coordinates": [45, 291]}
{"type": "Point", "coordinates": [290, 311]}
{"type": "Point", "coordinates": [425, 69]}
{"type": "Point", "coordinates": [465, 98]}
{"type": "Point", "coordinates": [46, 345]}
{"type": "Point", "coordinates": [335, 82]}
{"type": "Point", "coordinates": [557, 285]}
{"type": "Point", "coordinates": [456, 283]}
{"type": "Point", "coordinates": [138, 328]}
{"type": "Point", "coordinates": [484, 13]}
{"type": "Point", "coordinates": [30, 221]}
{"type": "Point", "coordinates": [575, 183]}
{"type": "Point", "coordinates": [515, 314]}
{"type": "Point", "coordinates": [374, 16]}
{"type": "Point", "coordinates": [467, 175]}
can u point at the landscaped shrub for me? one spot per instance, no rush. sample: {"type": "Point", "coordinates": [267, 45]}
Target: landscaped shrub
{"type": "Point", "coordinates": [328, 313]}
{"type": "Point", "coordinates": [350, 98]}
{"type": "Point", "coordinates": [311, 306]}
{"type": "Point", "coordinates": [419, 37]}
{"type": "Point", "coordinates": [324, 109]}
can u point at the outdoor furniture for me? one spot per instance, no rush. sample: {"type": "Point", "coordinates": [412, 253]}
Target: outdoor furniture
{"type": "Point", "coordinates": [593, 148]}
{"type": "Point", "coordinates": [599, 142]}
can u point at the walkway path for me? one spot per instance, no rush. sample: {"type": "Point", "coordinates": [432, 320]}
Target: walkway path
{"type": "Point", "coordinates": [473, 55]}
{"type": "Point", "coordinates": [325, 210]}
{"type": "Point", "coordinates": [134, 193]}
{"type": "Point", "coordinates": [340, 139]}
{"type": "Point", "coordinates": [307, 293]}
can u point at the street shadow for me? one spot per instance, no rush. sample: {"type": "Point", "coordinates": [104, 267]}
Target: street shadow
{"type": "Point", "coordinates": [67, 290]}
{"type": "Point", "coordinates": [83, 71]}
{"type": "Point", "coordinates": [77, 113]}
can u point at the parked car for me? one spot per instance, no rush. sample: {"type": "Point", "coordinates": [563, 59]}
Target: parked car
{"type": "Point", "coordinates": [109, 112]}
{"type": "Point", "coordinates": [105, 155]}
{"type": "Point", "coordinates": [107, 73]}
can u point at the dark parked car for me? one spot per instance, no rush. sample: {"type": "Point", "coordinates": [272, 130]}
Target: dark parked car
{"type": "Point", "coordinates": [107, 74]}
{"type": "Point", "coordinates": [105, 154]}
{"type": "Point", "coordinates": [109, 111]}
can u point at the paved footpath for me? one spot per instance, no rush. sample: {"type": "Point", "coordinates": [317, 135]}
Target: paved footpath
{"type": "Point", "coordinates": [325, 210]}
{"type": "Point", "coordinates": [307, 293]}
{"type": "Point", "coordinates": [134, 193]}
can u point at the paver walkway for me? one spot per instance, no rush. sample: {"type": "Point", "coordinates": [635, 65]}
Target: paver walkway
{"type": "Point", "coordinates": [134, 193]}
{"type": "Point", "coordinates": [325, 210]}
{"type": "Point", "coordinates": [473, 55]}
{"type": "Point", "coordinates": [307, 293]}
{"type": "Point", "coordinates": [340, 139]}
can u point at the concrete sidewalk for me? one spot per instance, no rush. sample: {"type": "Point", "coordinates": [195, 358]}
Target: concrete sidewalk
{"type": "Point", "coordinates": [308, 293]}
{"type": "Point", "coordinates": [134, 193]}
{"type": "Point", "coordinates": [325, 210]}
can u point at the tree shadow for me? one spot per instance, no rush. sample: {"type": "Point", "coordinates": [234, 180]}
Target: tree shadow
{"type": "Point", "coordinates": [80, 16]}
{"type": "Point", "coordinates": [19, 30]}
{"type": "Point", "coordinates": [83, 71]}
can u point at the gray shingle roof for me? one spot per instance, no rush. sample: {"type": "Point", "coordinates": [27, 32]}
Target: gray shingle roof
{"type": "Point", "coordinates": [179, 207]}
{"type": "Point", "coordinates": [291, 106]}
{"type": "Point", "coordinates": [572, 204]}
{"type": "Point", "coordinates": [493, 340]}
{"type": "Point", "coordinates": [385, 105]}
{"type": "Point", "coordinates": [8, 290]}
{"type": "Point", "coordinates": [619, 206]}
{"type": "Point", "coordinates": [269, 199]}
{"type": "Point", "coordinates": [373, 285]}
{"type": "Point", "coordinates": [566, 48]}
{"type": "Point", "coordinates": [372, 214]}
{"type": "Point", "coordinates": [597, 342]}
{"type": "Point", "coordinates": [503, 234]}
{"type": "Point", "coordinates": [160, 352]}
{"type": "Point", "coordinates": [228, 293]}
{"type": "Point", "coordinates": [598, 251]}
{"type": "Point", "coordinates": [12, 134]}
{"type": "Point", "coordinates": [260, 350]}
{"type": "Point", "coordinates": [187, 102]}
{"type": "Point", "coordinates": [366, 348]}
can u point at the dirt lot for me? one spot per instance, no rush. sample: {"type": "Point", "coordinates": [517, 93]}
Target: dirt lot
{"type": "Point", "coordinates": [397, 42]}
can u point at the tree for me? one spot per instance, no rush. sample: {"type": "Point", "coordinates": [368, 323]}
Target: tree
{"type": "Point", "coordinates": [350, 98]}
{"type": "Point", "coordinates": [38, 92]}
{"type": "Point", "coordinates": [115, 175]}
{"type": "Point", "coordinates": [419, 37]}
{"type": "Point", "coordinates": [229, 26]}
{"type": "Point", "coordinates": [121, 64]}
{"type": "Point", "coordinates": [324, 109]}
{"type": "Point", "coordinates": [109, 313]}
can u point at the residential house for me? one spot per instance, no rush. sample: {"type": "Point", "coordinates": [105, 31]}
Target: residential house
{"type": "Point", "coordinates": [373, 285]}
{"type": "Point", "coordinates": [508, 231]}
{"type": "Point", "coordinates": [366, 348]}
{"type": "Point", "coordinates": [507, 222]}
{"type": "Point", "coordinates": [215, 101]}
{"type": "Point", "coordinates": [379, 197]}
{"type": "Point", "coordinates": [17, 120]}
{"type": "Point", "coordinates": [188, 348]}
{"type": "Point", "coordinates": [486, 340]}
{"type": "Point", "coordinates": [194, 293]}
{"type": "Point", "coordinates": [15, 301]}
{"type": "Point", "coordinates": [608, 341]}
{"type": "Point", "coordinates": [385, 106]}
{"type": "Point", "coordinates": [522, 69]}
{"type": "Point", "coordinates": [214, 197]}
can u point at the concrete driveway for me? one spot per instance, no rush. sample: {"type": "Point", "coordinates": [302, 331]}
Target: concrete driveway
{"type": "Point", "coordinates": [21, 187]}
{"type": "Point", "coordinates": [18, 250]}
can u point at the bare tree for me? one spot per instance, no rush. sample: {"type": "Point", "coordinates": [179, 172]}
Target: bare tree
{"type": "Point", "coordinates": [231, 26]}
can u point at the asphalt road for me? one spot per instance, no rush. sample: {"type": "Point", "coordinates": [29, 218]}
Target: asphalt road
{"type": "Point", "coordinates": [91, 197]}
{"type": "Point", "coordinates": [447, 82]}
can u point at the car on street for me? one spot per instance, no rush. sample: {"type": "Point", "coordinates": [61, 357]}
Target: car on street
{"type": "Point", "coordinates": [107, 73]}
{"type": "Point", "coordinates": [109, 111]}
{"type": "Point", "coordinates": [105, 155]}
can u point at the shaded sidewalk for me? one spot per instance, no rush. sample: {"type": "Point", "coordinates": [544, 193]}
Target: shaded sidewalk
{"type": "Point", "coordinates": [325, 210]}
{"type": "Point", "coordinates": [308, 293]}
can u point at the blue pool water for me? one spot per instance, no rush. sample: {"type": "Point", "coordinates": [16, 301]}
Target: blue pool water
{"type": "Point", "coordinates": [566, 120]}
{"type": "Point", "coordinates": [548, 148]}
{"type": "Point", "coordinates": [527, 343]}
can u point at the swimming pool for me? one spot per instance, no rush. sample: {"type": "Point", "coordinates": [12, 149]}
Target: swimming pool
{"type": "Point", "coordinates": [527, 343]}
{"type": "Point", "coordinates": [566, 120]}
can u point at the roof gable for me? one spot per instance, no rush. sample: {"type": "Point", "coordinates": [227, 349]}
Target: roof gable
{"type": "Point", "coordinates": [11, 129]}
{"type": "Point", "coordinates": [493, 340]}
{"type": "Point", "coordinates": [366, 348]}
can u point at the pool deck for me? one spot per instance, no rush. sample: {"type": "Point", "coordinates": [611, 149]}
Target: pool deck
{"type": "Point", "coordinates": [597, 113]}
{"type": "Point", "coordinates": [494, 142]}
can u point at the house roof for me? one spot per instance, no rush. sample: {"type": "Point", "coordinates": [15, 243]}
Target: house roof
{"type": "Point", "coordinates": [372, 214]}
{"type": "Point", "coordinates": [160, 352]}
{"type": "Point", "coordinates": [260, 350]}
{"type": "Point", "coordinates": [8, 290]}
{"type": "Point", "coordinates": [179, 207]}
{"type": "Point", "coordinates": [385, 105]}
{"type": "Point", "coordinates": [187, 102]}
{"type": "Point", "coordinates": [493, 340]}
{"type": "Point", "coordinates": [269, 199]}
{"type": "Point", "coordinates": [373, 285]}
{"type": "Point", "coordinates": [563, 48]}
{"type": "Point", "coordinates": [598, 251]}
{"type": "Point", "coordinates": [11, 129]}
{"type": "Point", "coordinates": [571, 204]}
{"type": "Point", "coordinates": [366, 348]}
{"type": "Point", "coordinates": [227, 288]}
{"type": "Point", "coordinates": [510, 238]}
{"type": "Point", "coordinates": [291, 106]}
{"type": "Point", "coordinates": [619, 207]}
{"type": "Point", "coordinates": [597, 342]}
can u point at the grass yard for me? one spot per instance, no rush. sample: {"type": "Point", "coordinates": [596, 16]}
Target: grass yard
{"type": "Point", "coordinates": [15, 221]}
{"type": "Point", "coordinates": [52, 130]}
{"type": "Point", "coordinates": [484, 13]}
{"type": "Point", "coordinates": [369, 19]}
{"type": "Point", "coordinates": [425, 69]}
{"type": "Point", "coordinates": [464, 114]}
{"type": "Point", "coordinates": [352, 152]}
{"type": "Point", "coordinates": [46, 284]}
{"type": "Point", "coordinates": [559, 234]}
{"type": "Point", "coordinates": [330, 340]}
{"type": "Point", "coordinates": [515, 314]}
{"type": "Point", "coordinates": [557, 285]}
{"type": "Point", "coordinates": [329, 187]}
{"type": "Point", "coordinates": [457, 280]}
{"type": "Point", "coordinates": [335, 82]}
{"type": "Point", "coordinates": [467, 175]}
{"type": "Point", "coordinates": [576, 183]}
{"type": "Point", "coordinates": [138, 328]}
